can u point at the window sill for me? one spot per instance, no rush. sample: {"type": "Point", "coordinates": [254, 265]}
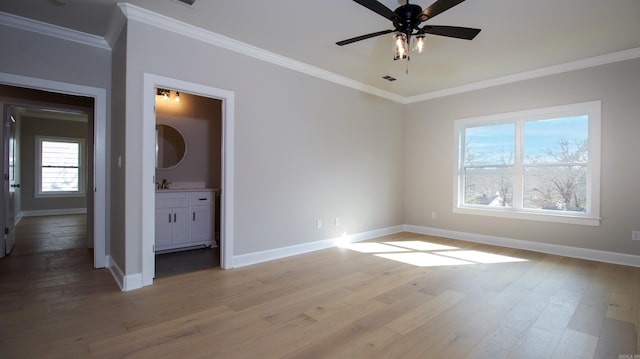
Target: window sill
{"type": "Point", "coordinates": [60, 195]}
{"type": "Point", "coordinates": [530, 216]}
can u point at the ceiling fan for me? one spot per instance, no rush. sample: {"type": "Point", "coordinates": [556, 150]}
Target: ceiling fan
{"type": "Point", "coordinates": [406, 21]}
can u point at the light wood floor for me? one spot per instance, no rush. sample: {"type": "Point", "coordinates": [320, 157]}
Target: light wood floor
{"type": "Point", "coordinates": [335, 303]}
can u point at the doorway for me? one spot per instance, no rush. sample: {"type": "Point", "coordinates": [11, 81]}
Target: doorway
{"type": "Point", "coordinates": [188, 173]}
{"type": "Point", "coordinates": [50, 151]}
{"type": "Point", "coordinates": [151, 83]}
{"type": "Point", "coordinates": [44, 93]}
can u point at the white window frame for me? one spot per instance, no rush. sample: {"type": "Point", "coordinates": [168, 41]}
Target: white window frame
{"type": "Point", "coordinates": [590, 217]}
{"type": "Point", "coordinates": [82, 176]}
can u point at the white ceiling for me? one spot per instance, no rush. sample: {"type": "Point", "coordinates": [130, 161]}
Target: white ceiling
{"type": "Point", "coordinates": [517, 35]}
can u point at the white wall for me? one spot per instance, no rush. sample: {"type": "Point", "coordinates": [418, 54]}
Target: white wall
{"type": "Point", "coordinates": [305, 148]}
{"type": "Point", "coordinates": [199, 120]}
{"type": "Point", "coordinates": [71, 65]}
{"type": "Point", "coordinates": [35, 55]}
{"type": "Point", "coordinates": [430, 156]}
{"type": "Point", "coordinates": [116, 149]}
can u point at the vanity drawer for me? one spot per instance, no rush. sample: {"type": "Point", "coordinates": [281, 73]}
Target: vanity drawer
{"type": "Point", "coordinates": [168, 200]}
{"type": "Point", "coordinates": [201, 198]}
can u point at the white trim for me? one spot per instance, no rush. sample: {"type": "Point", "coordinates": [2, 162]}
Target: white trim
{"type": "Point", "coordinates": [151, 18]}
{"type": "Point", "coordinates": [590, 217]}
{"type": "Point", "coordinates": [100, 149]}
{"type": "Point", "coordinates": [82, 167]}
{"type": "Point", "coordinates": [154, 19]}
{"type": "Point", "coordinates": [555, 249]}
{"type": "Point", "coordinates": [528, 75]}
{"type": "Point", "coordinates": [116, 25]}
{"type": "Point", "coordinates": [530, 216]}
{"type": "Point", "coordinates": [125, 282]}
{"type": "Point", "coordinates": [60, 32]}
{"type": "Point", "coordinates": [152, 81]}
{"type": "Point", "coordinates": [116, 272]}
{"type": "Point", "coordinates": [166, 23]}
{"type": "Point", "coordinates": [52, 212]}
{"type": "Point", "coordinates": [277, 253]}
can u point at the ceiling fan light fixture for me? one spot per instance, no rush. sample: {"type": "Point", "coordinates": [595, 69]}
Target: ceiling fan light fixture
{"type": "Point", "coordinates": [419, 43]}
{"type": "Point", "coordinates": [400, 46]}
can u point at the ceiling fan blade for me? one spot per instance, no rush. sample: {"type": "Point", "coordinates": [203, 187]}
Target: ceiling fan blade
{"type": "Point", "coordinates": [438, 7]}
{"type": "Point", "coordinates": [380, 9]}
{"type": "Point", "coordinates": [465, 33]}
{"type": "Point", "coordinates": [363, 37]}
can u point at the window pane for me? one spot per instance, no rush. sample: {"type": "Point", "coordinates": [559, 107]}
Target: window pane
{"type": "Point", "coordinates": [60, 153]}
{"type": "Point", "coordinates": [559, 140]}
{"type": "Point", "coordinates": [56, 179]}
{"type": "Point", "coordinates": [489, 186]}
{"type": "Point", "coordinates": [556, 188]}
{"type": "Point", "coordinates": [493, 144]}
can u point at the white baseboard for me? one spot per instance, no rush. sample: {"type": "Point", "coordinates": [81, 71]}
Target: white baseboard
{"type": "Point", "coordinates": [52, 212]}
{"type": "Point", "coordinates": [125, 282]}
{"type": "Point", "coordinates": [566, 251]}
{"type": "Point", "coordinates": [116, 272]}
{"type": "Point", "coordinates": [268, 255]}
{"type": "Point", "coordinates": [134, 281]}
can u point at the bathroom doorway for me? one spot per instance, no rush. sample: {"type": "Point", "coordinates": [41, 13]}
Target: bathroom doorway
{"type": "Point", "coordinates": [225, 196]}
{"type": "Point", "coordinates": [188, 147]}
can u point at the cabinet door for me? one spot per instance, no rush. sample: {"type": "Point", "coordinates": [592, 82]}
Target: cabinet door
{"type": "Point", "coordinates": [164, 224]}
{"type": "Point", "coordinates": [180, 230]}
{"type": "Point", "coordinates": [201, 219]}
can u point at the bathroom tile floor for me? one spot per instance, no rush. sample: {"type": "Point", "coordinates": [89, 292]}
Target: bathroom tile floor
{"type": "Point", "coordinates": [169, 264]}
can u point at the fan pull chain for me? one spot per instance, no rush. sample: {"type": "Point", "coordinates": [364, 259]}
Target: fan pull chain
{"type": "Point", "coordinates": [406, 71]}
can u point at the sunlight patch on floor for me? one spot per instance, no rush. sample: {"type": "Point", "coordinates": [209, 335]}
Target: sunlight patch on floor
{"type": "Point", "coordinates": [481, 257]}
{"type": "Point", "coordinates": [427, 254]}
{"type": "Point", "coordinates": [373, 247]}
{"type": "Point", "coordinates": [421, 245]}
{"type": "Point", "coordinates": [421, 259]}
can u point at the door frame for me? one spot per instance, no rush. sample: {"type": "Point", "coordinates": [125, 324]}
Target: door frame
{"type": "Point", "coordinates": [9, 201]}
{"type": "Point", "coordinates": [100, 149]}
{"type": "Point", "coordinates": [227, 97]}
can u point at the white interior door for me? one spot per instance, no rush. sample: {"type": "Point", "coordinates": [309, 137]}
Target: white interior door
{"type": "Point", "coordinates": [10, 185]}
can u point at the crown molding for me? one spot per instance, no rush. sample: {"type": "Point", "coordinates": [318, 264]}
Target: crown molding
{"type": "Point", "coordinates": [154, 19]}
{"type": "Point", "coordinates": [60, 32]}
{"type": "Point", "coordinates": [528, 75]}
{"type": "Point", "coordinates": [139, 14]}
{"type": "Point", "coordinates": [116, 24]}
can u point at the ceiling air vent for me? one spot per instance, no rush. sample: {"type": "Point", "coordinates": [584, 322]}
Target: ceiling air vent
{"type": "Point", "coordinates": [188, 2]}
{"type": "Point", "coordinates": [389, 78]}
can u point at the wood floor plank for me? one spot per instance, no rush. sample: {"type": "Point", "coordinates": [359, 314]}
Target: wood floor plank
{"type": "Point", "coordinates": [334, 303]}
{"type": "Point", "coordinates": [575, 344]}
{"type": "Point", "coordinates": [420, 315]}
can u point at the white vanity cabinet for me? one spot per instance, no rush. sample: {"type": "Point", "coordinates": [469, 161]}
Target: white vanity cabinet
{"type": "Point", "coordinates": [184, 218]}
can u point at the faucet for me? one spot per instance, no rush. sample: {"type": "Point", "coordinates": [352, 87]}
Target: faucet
{"type": "Point", "coordinates": [165, 184]}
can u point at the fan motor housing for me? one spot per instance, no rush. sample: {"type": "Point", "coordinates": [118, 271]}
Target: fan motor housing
{"type": "Point", "coordinates": [409, 14]}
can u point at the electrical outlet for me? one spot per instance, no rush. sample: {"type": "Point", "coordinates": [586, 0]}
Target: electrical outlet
{"type": "Point", "coordinates": [337, 221]}
{"type": "Point", "coordinates": [635, 236]}
{"type": "Point", "coordinates": [434, 215]}
{"type": "Point", "coordinates": [319, 223]}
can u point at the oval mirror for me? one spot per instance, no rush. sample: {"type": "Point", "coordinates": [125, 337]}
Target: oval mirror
{"type": "Point", "coordinates": [171, 147]}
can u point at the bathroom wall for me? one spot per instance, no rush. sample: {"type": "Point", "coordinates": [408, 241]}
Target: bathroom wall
{"type": "Point", "coordinates": [199, 119]}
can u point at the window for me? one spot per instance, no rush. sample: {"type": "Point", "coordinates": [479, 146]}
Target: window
{"type": "Point", "coordinates": [541, 164]}
{"type": "Point", "coordinates": [60, 170]}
